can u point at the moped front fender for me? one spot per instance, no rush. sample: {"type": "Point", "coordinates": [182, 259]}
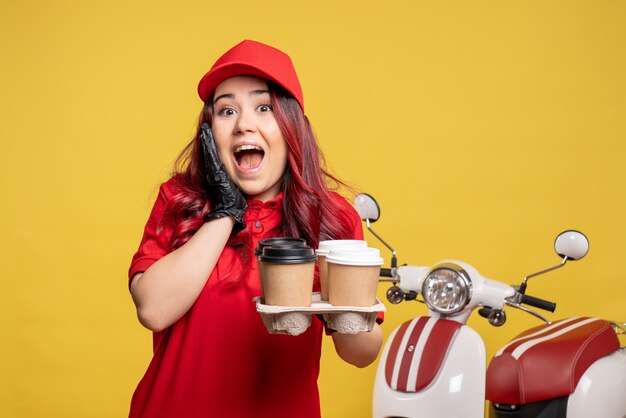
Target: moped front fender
{"type": "Point", "coordinates": [458, 388]}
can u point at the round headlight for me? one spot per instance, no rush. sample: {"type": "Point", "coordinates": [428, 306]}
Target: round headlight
{"type": "Point", "coordinates": [447, 289]}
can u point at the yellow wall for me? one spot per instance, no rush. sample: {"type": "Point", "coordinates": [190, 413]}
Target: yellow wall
{"type": "Point", "coordinates": [483, 128]}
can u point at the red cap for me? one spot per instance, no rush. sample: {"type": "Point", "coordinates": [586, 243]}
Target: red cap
{"type": "Point", "coordinates": [256, 59]}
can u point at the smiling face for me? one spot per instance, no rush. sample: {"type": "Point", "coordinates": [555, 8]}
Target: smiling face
{"type": "Point", "coordinates": [248, 139]}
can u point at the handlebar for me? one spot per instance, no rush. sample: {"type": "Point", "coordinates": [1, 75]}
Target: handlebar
{"type": "Point", "coordinates": [538, 303]}
{"type": "Point", "coordinates": [384, 272]}
{"type": "Point", "coordinates": [411, 282]}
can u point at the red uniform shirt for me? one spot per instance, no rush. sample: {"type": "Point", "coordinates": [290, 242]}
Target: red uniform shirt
{"type": "Point", "coordinates": [218, 360]}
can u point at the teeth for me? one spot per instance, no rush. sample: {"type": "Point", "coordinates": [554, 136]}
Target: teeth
{"type": "Point", "coordinates": [247, 148]}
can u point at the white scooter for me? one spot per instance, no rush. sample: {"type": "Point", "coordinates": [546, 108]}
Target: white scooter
{"type": "Point", "coordinates": [435, 366]}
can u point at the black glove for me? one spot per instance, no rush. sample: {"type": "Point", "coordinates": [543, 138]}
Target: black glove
{"type": "Point", "coordinates": [226, 198]}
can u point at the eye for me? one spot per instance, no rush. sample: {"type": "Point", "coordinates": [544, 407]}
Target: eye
{"type": "Point", "coordinates": [226, 111]}
{"type": "Point", "coordinates": [264, 108]}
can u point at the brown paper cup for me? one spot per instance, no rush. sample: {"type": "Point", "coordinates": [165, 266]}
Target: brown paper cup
{"type": "Point", "coordinates": [287, 284]}
{"type": "Point", "coordinates": [323, 270]}
{"type": "Point", "coordinates": [322, 251]}
{"type": "Point", "coordinates": [352, 285]}
{"type": "Point", "coordinates": [261, 268]}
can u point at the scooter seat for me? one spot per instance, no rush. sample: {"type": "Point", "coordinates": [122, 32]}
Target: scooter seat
{"type": "Point", "coordinates": [546, 362]}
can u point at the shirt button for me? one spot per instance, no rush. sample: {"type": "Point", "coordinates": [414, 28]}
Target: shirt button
{"type": "Point", "coordinates": [257, 224]}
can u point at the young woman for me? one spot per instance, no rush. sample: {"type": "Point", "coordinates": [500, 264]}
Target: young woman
{"type": "Point", "coordinates": [252, 171]}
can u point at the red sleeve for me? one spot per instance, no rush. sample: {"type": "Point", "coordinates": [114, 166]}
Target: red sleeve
{"type": "Point", "coordinates": [150, 250]}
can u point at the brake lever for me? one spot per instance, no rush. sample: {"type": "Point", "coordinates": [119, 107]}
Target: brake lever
{"type": "Point", "coordinates": [514, 304]}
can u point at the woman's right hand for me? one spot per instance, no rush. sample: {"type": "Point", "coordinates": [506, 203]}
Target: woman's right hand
{"type": "Point", "coordinates": [226, 198]}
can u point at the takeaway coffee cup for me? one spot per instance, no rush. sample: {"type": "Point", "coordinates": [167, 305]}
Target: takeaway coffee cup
{"type": "Point", "coordinates": [323, 250]}
{"type": "Point", "coordinates": [287, 275]}
{"type": "Point", "coordinates": [275, 242]}
{"type": "Point", "coordinates": [353, 276]}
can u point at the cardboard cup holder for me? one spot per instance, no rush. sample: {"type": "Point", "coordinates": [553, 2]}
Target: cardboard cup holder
{"type": "Point", "coordinates": [294, 320]}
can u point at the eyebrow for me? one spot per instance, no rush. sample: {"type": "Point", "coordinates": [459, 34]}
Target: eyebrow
{"type": "Point", "coordinates": [232, 96]}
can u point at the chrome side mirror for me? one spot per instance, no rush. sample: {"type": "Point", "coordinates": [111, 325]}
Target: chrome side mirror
{"type": "Point", "coordinates": [572, 245]}
{"type": "Point", "coordinates": [569, 245]}
{"type": "Point", "coordinates": [367, 207]}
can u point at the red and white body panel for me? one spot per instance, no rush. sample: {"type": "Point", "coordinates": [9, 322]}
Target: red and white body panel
{"type": "Point", "coordinates": [601, 391]}
{"type": "Point", "coordinates": [431, 368]}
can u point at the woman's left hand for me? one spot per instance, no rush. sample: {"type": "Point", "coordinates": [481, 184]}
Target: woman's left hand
{"type": "Point", "coordinates": [360, 349]}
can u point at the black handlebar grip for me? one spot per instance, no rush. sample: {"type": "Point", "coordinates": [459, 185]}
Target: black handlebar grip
{"type": "Point", "coordinates": [410, 295]}
{"type": "Point", "coordinates": [546, 305]}
{"type": "Point", "coordinates": [485, 311]}
{"type": "Point", "coordinates": [385, 272]}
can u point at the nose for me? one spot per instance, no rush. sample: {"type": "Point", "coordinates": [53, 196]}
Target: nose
{"type": "Point", "coordinates": [245, 122]}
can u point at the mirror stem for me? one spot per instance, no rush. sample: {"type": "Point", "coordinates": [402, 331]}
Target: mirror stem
{"type": "Point", "coordinates": [522, 288]}
{"type": "Point", "coordinates": [394, 260]}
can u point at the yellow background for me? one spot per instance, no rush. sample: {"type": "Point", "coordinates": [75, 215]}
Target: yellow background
{"type": "Point", "coordinates": [482, 127]}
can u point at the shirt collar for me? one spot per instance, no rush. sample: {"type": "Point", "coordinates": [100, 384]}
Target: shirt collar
{"type": "Point", "coordinates": [255, 203]}
{"type": "Point", "coordinates": [270, 209]}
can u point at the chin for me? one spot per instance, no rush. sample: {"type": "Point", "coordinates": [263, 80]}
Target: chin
{"type": "Point", "coordinates": [260, 193]}
{"type": "Point", "coordinates": [250, 191]}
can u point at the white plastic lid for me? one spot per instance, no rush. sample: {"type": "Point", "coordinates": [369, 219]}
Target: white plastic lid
{"type": "Point", "coordinates": [355, 256]}
{"type": "Point", "coordinates": [325, 246]}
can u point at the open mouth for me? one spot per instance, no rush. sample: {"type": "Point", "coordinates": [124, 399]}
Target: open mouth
{"type": "Point", "coordinates": [249, 157]}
